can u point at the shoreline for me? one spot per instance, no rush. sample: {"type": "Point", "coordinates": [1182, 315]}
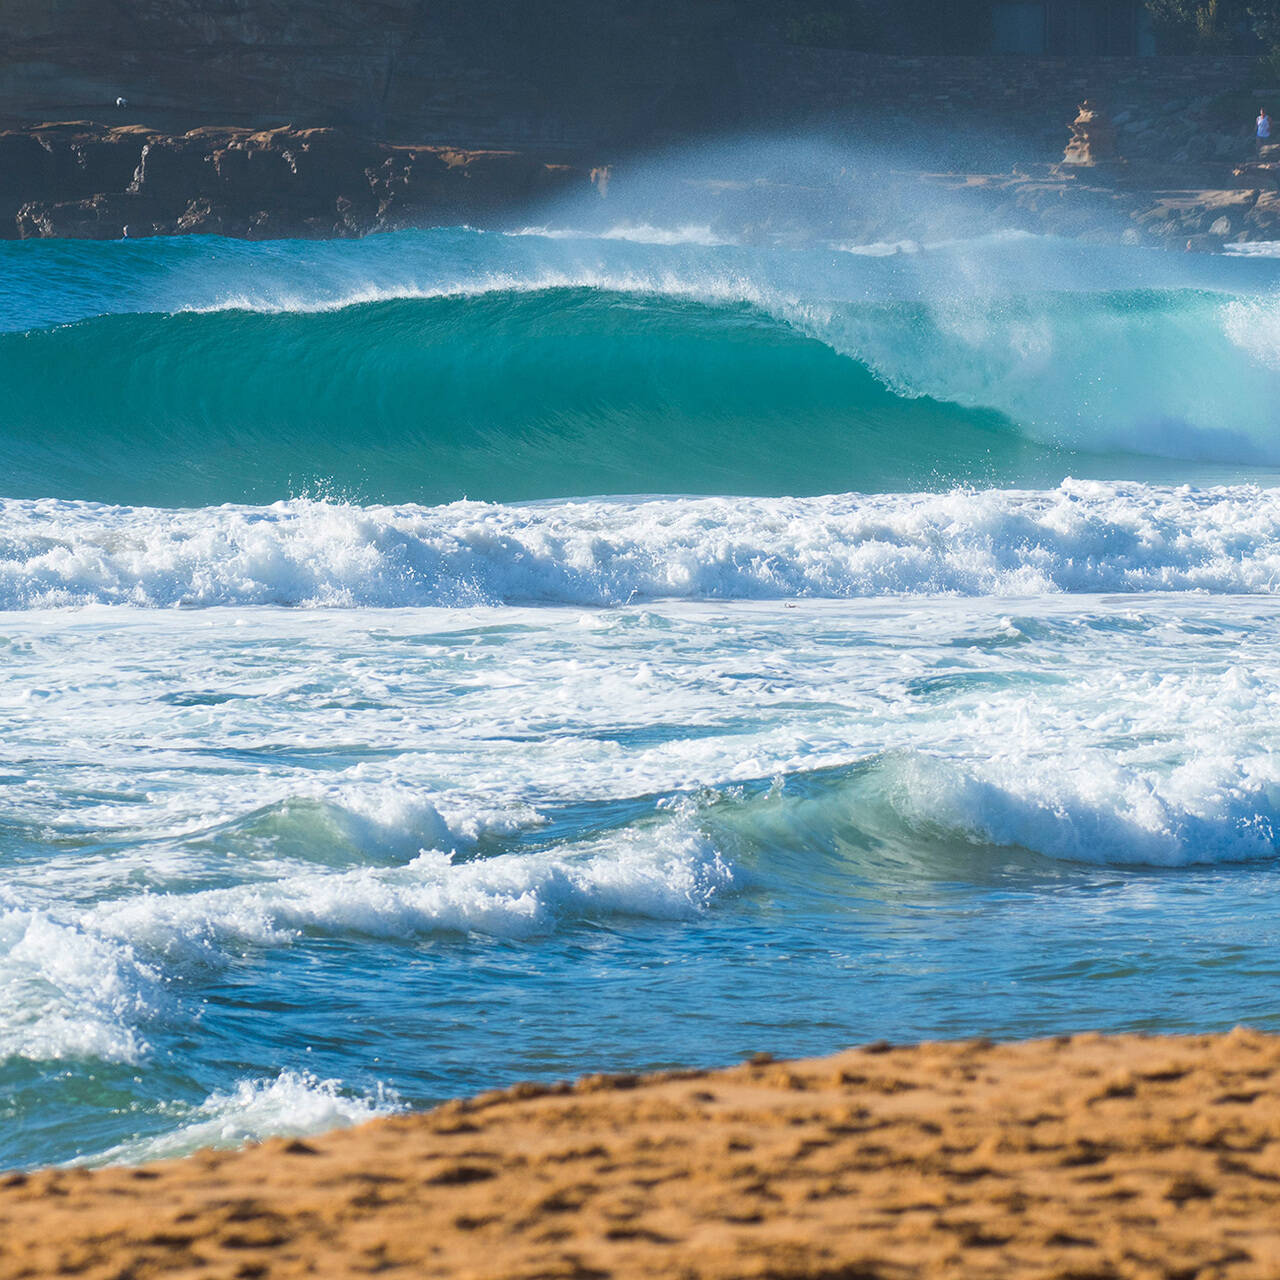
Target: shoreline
{"type": "Point", "coordinates": [1084, 1156]}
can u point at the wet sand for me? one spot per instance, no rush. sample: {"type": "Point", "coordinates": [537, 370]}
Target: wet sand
{"type": "Point", "coordinates": [1088, 1157]}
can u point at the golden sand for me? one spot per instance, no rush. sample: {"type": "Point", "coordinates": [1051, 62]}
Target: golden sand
{"type": "Point", "coordinates": [1088, 1157]}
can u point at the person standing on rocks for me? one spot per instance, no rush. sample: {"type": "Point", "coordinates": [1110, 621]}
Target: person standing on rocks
{"type": "Point", "coordinates": [1264, 130]}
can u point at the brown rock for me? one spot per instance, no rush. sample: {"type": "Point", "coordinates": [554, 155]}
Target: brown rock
{"type": "Point", "coordinates": [201, 219]}
{"type": "Point", "coordinates": [1092, 137]}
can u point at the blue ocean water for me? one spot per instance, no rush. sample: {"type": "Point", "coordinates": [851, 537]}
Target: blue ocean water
{"type": "Point", "coordinates": [452, 658]}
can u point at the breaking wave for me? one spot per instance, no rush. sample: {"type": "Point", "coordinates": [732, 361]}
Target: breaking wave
{"type": "Point", "coordinates": [1079, 537]}
{"type": "Point", "coordinates": [609, 383]}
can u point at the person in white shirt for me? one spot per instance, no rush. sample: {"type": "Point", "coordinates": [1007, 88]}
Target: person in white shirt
{"type": "Point", "coordinates": [1264, 129]}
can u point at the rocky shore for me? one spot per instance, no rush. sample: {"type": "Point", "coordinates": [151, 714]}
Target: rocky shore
{"type": "Point", "coordinates": [89, 181]}
{"type": "Point", "coordinates": [85, 181]}
{"type": "Point", "coordinates": [1087, 1156]}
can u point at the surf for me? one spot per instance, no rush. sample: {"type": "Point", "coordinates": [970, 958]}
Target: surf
{"type": "Point", "coordinates": [537, 367]}
{"type": "Point", "coordinates": [1079, 537]}
{"type": "Point", "coordinates": [506, 396]}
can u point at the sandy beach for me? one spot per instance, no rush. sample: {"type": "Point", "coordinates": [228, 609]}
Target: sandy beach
{"type": "Point", "coordinates": [1085, 1156]}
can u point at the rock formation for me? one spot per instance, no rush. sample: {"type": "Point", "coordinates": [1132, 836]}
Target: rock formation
{"type": "Point", "coordinates": [1092, 137]}
{"type": "Point", "coordinates": [77, 180]}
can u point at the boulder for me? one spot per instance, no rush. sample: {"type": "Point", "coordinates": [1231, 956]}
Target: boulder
{"type": "Point", "coordinates": [1092, 137]}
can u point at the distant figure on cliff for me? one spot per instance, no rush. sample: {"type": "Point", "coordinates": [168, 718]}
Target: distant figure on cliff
{"type": "Point", "coordinates": [1264, 129]}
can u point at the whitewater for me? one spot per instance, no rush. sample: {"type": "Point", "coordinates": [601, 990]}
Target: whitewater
{"type": "Point", "coordinates": [456, 657]}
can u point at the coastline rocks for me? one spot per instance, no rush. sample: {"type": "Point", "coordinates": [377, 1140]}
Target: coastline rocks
{"type": "Point", "coordinates": [100, 217]}
{"type": "Point", "coordinates": [77, 180]}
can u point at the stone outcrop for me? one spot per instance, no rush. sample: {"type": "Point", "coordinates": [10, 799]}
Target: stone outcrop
{"type": "Point", "coordinates": [75, 180]}
{"type": "Point", "coordinates": [1093, 139]}
{"type": "Point", "coordinates": [81, 181]}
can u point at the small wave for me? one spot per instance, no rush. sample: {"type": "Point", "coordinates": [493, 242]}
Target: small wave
{"type": "Point", "coordinates": [366, 825]}
{"type": "Point", "coordinates": [88, 984]}
{"type": "Point", "coordinates": [671, 876]}
{"type": "Point", "coordinates": [918, 811]}
{"type": "Point", "coordinates": [293, 1105]}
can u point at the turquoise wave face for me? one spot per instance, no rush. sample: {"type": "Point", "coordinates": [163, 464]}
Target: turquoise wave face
{"type": "Point", "coordinates": [505, 396]}
{"type": "Point", "coordinates": [559, 370]}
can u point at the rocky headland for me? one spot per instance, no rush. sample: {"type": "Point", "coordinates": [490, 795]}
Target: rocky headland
{"type": "Point", "coordinates": [80, 180]}
{"type": "Point", "coordinates": [1126, 1157]}
{"type": "Point", "coordinates": [88, 180]}
{"type": "Point", "coordinates": [317, 119]}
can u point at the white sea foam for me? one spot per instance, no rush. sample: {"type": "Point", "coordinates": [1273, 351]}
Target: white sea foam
{"type": "Point", "coordinates": [1253, 325]}
{"type": "Point", "coordinates": [1081, 537]}
{"type": "Point", "coordinates": [292, 1105]}
{"type": "Point", "coordinates": [1092, 808]}
{"type": "Point", "coordinates": [1254, 249]}
{"type": "Point", "coordinates": [70, 992]}
{"type": "Point", "coordinates": [86, 984]}
{"type": "Point", "coordinates": [636, 233]}
{"type": "Point", "coordinates": [994, 240]}
{"type": "Point", "coordinates": [715, 285]}
{"type": "Point", "coordinates": [671, 875]}
{"type": "Point", "coordinates": [880, 248]}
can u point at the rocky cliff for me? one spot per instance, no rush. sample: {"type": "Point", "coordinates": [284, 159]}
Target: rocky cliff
{"type": "Point", "coordinates": [315, 117]}
{"type": "Point", "coordinates": [577, 74]}
{"type": "Point", "coordinates": [79, 180]}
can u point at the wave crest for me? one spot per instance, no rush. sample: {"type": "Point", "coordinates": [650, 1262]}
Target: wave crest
{"type": "Point", "coordinates": [580, 382]}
